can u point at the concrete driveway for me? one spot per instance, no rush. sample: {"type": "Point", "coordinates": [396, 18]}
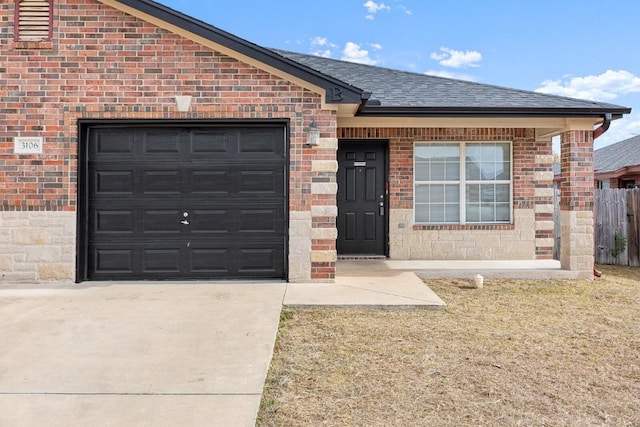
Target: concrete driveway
{"type": "Point", "coordinates": [157, 354]}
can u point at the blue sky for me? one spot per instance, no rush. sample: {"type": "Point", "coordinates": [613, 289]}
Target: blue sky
{"type": "Point", "coordinates": [579, 48]}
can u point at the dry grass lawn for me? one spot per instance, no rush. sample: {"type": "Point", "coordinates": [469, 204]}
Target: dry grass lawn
{"type": "Point", "coordinates": [516, 353]}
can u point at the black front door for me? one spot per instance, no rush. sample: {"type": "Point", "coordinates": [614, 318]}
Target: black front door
{"type": "Point", "coordinates": [362, 199]}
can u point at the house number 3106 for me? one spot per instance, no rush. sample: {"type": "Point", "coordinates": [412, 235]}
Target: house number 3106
{"type": "Point", "coordinates": [27, 145]}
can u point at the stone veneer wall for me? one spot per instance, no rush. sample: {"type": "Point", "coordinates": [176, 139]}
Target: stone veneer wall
{"type": "Point", "coordinates": [407, 242]}
{"type": "Point", "coordinates": [37, 245]}
{"type": "Point", "coordinates": [529, 237]}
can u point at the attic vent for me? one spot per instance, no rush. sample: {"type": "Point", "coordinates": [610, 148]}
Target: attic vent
{"type": "Point", "coordinates": [33, 20]}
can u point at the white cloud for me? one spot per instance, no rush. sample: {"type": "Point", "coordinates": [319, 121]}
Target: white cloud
{"type": "Point", "coordinates": [354, 53]}
{"type": "Point", "coordinates": [603, 87]}
{"type": "Point", "coordinates": [323, 53]}
{"type": "Point", "coordinates": [322, 46]}
{"type": "Point", "coordinates": [407, 11]}
{"type": "Point", "coordinates": [457, 58]}
{"type": "Point", "coordinates": [607, 87]}
{"type": "Point", "coordinates": [322, 41]}
{"type": "Point", "coordinates": [318, 41]}
{"type": "Point", "coordinates": [451, 75]}
{"type": "Point", "coordinates": [375, 46]}
{"type": "Point", "coordinates": [373, 8]}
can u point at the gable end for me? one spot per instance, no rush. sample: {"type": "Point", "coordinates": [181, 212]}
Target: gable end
{"type": "Point", "coordinates": [336, 91]}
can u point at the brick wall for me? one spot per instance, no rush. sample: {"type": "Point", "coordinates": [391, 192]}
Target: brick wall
{"type": "Point", "coordinates": [576, 165]}
{"type": "Point", "coordinates": [105, 64]}
{"type": "Point", "coordinates": [529, 237]}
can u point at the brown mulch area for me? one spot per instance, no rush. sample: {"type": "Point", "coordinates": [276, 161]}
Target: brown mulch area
{"type": "Point", "coordinates": [516, 353]}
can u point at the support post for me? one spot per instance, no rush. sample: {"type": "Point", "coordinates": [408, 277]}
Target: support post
{"type": "Point", "coordinates": [576, 203]}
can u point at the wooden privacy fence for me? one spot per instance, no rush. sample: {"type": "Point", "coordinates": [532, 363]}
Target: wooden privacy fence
{"type": "Point", "coordinates": [616, 213]}
{"type": "Point", "coordinates": [617, 226]}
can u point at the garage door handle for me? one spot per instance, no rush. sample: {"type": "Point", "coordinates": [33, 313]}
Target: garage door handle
{"type": "Point", "coordinates": [185, 222]}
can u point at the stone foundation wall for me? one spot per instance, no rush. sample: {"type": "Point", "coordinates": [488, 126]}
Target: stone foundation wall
{"type": "Point", "coordinates": [37, 246]}
{"type": "Point", "coordinates": [497, 243]}
{"type": "Point", "coordinates": [576, 231]}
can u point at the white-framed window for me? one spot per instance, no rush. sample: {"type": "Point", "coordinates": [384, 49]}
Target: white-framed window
{"type": "Point", "coordinates": [463, 183]}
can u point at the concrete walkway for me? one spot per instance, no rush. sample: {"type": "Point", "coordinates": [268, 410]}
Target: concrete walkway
{"type": "Point", "coordinates": [366, 284]}
{"type": "Point", "coordinates": [161, 354]}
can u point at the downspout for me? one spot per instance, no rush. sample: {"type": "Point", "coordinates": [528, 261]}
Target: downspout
{"type": "Point", "coordinates": [603, 127]}
{"type": "Point", "coordinates": [596, 133]}
{"type": "Point", "coordinates": [363, 101]}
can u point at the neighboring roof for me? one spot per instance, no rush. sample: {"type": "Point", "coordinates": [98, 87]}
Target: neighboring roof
{"type": "Point", "coordinates": [396, 89]}
{"type": "Point", "coordinates": [386, 92]}
{"type": "Point", "coordinates": [613, 158]}
{"type": "Point", "coordinates": [617, 156]}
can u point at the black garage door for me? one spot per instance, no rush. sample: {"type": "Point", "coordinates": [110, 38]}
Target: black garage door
{"type": "Point", "coordinates": [188, 202]}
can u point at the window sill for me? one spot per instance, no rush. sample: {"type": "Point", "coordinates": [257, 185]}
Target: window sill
{"type": "Point", "coordinates": [33, 45]}
{"type": "Point", "coordinates": [465, 227]}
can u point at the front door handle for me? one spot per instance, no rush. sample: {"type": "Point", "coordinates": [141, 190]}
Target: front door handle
{"type": "Point", "coordinates": [381, 208]}
{"type": "Point", "coordinates": [185, 222]}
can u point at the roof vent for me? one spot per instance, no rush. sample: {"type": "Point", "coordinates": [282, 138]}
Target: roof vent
{"type": "Point", "coordinates": [33, 20]}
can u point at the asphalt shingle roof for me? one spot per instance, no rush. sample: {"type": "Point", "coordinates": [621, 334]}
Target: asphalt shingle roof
{"type": "Point", "coordinates": [390, 92]}
{"type": "Point", "coordinates": [617, 156]}
{"type": "Point", "coordinates": [395, 88]}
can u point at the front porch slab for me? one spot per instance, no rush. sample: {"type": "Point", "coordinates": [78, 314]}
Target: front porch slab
{"type": "Point", "coordinates": [504, 269]}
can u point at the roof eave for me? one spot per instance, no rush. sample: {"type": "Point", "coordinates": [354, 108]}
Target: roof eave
{"type": "Point", "coordinates": [625, 170]}
{"type": "Point", "coordinates": [514, 112]}
{"type": "Point", "coordinates": [337, 91]}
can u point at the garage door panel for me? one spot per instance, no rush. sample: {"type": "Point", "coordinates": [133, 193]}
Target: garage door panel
{"type": "Point", "coordinates": [161, 182]}
{"type": "Point", "coordinates": [163, 221]}
{"type": "Point", "coordinates": [238, 180]}
{"type": "Point", "coordinates": [113, 141]}
{"type": "Point", "coordinates": [210, 182]}
{"type": "Point", "coordinates": [260, 142]}
{"type": "Point", "coordinates": [114, 222]}
{"type": "Point", "coordinates": [258, 260]}
{"type": "Point", "coordinates": [230, 182]}
{"type": "Point", "coordinates": [220, 180]}
{"type": "Point", "coordinates": [178, 260]}
{"type": "Point", "coordinates": [263, 182]}
{"type": "Point", "coordinates": [165, 260]}
{"type": "Point", "coordinates": [216, 221]}
{"type": "Point", "coordinates": [261, 221]}
{"type": "Point", "coordinates": [209, 141]}
{"type": "Point", "coordinates": [210, 260]}
{"type": "Point", "coordinates": [113, 182]}
{"type": "Point", "coordinates": [161, 141]}
{"type": "Point", "coordinates": [110, 261]}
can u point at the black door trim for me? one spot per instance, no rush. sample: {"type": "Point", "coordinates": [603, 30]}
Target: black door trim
{"type": "Point", "coordinates": [385, 145]}
{"type": "Point", "coordinates": [82, 196]}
